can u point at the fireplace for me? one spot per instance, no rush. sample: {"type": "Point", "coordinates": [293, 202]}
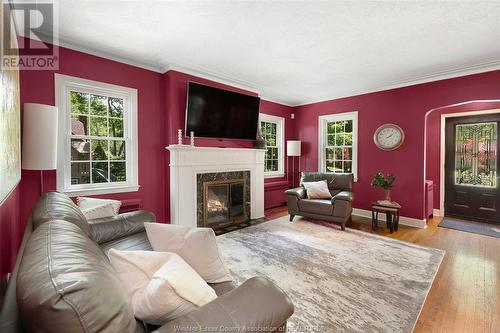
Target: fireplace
{"type": "Point", "coordinates": [223, 199]}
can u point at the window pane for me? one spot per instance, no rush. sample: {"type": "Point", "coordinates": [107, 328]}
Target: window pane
{"type": "Point", "coordinates": [348, 126]}
{"type": "Point", "coordinates": [347, 154]}
{"type": "Point", "coordinates": [339, 139]}
{"type": "Point", "coordinates": [79, 103]}
{"type": "Point", "coordinates": [274, 165]}
{"type": "Point", "coordinates": [99, 172]}
{"type": "Point", "coordinates": [79, 125]}
{"type": "Point", "coordinates": [348, 139]}
{"type": "Point", "coordinates": [115, 128]}
{"type": "Point", "coordinates": [331, 139]}
{"type": "Point", "coordinates": [99, 150]}
{"type": "Point", "coordinates": [338, 166]}
{"type": "Point", "coordinates": [98, 126]}
{"type": "Point", "coordinates": [115, 107]}
{"type": "Point", "coordinates": [118, 173]}
{"type": "Point", "coordinates": [329, 153]}
{"type": "Point", "coordinates": [98, 105]}
{"type": "Point", "coordinates": [338, 154]}
{"type": "Point", "coordinates": [80, 150]}
{"type": "Point", "coordinates": [80, 173]}
{"type": "Point", "coordinates": [330, 128]}
{"type": "Point", "coordinates": [117, 150]}
{"type": "Point", "coordinates": [329, 166]}
{"type": "Point", "coordinates": [348, 166]}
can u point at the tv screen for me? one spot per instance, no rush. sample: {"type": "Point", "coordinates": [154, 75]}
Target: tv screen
{"type": "Point", "coordinates": [218, 113]}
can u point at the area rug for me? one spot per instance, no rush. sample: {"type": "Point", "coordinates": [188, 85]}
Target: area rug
{"type": "Point", "coordinates": [471, 226]}
{"type": "Point", "coordinates": [338, 281]}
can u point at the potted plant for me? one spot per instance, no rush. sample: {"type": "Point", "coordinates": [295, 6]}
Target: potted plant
{"type": "Point", "coordinates": [385, 182]}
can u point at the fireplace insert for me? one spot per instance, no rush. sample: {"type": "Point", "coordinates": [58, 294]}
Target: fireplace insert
{"type": "Point", "coordinates": [224, 203]}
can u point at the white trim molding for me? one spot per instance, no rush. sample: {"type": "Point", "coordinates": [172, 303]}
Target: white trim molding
{"type": "Point", "coordinates": [63, 85]}
{"type": "Point", "coordinates": [403, 220]}
{"type": "Point", "coordinates": [442, 149]}
{"type": "Point", "coordinates": [322, 140]}
{"type": "Point", "coordinates": [280, 143]}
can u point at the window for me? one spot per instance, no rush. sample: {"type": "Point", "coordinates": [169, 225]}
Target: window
{"type": "Point", "coordinates": [97, 150]}
{"type": "Point", "coordinates": [271, 128]}
{"type": "Point", "coordinates": [338, 143]}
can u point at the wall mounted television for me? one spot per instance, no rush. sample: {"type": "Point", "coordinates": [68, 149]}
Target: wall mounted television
{"type": "Point", "coordinates": [221, 114]}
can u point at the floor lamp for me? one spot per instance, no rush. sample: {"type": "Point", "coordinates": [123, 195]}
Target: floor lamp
{"type": "Point", "coordinates": [39, 151]}
{"type": "Point", "coordinates": [292, 150]}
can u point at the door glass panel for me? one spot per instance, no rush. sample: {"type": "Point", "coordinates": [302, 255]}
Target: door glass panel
{"type": "Point", "coordinates": [476, 154]}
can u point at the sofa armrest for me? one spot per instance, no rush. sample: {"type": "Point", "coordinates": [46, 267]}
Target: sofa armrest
{"type": "Point", "coordinates": [109, 228]}
{"type": "Point", "coordinates": [299, 192]}
{"type": "Point", "coordinates": [343, 195]}
{"type": "Point", "coordinates": [255, 306]}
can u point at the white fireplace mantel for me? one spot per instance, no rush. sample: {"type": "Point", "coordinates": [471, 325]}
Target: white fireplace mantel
{"type": "Point", "coordinates": [187, 162]}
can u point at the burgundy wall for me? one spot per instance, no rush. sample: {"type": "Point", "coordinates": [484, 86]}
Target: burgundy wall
{"type": "Point", "coordinates": [433, 137]}
{"type": "Point", "coordinates": [403, 106]}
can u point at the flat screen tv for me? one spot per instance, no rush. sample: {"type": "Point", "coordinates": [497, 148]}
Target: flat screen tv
{"type": "Point", "coordinates": [222, 114]}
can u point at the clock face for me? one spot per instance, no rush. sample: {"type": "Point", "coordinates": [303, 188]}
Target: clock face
{"type": "Point", "coordinates": [388, 137]}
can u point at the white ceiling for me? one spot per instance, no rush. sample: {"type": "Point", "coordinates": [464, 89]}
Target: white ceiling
{"type": "Point", "coordinates": [292, 52]}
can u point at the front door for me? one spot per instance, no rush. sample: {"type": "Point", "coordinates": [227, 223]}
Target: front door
{"type": "Point", "coordinates": [471, 162]}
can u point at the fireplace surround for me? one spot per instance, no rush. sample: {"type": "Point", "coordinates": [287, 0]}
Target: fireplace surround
{"type": "Point", "coordinates": [188, 164]}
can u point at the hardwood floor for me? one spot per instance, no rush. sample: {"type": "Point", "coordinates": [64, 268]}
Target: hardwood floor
{"type": "Point", "coordinates": [465, 295]}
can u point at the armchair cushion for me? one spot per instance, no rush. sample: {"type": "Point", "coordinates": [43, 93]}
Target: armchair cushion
{"type": "Point", "coordinates": [317, 190]}
{"type": "Point", "coordinates": [298, 192]}
{"type": "Point", "coordinates": [316, 206]}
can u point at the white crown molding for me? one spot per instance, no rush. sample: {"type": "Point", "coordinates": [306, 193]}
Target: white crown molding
{"type": "Point", "coordinates": [426, 78]}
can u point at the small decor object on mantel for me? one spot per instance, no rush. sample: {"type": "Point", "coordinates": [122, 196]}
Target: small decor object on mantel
{"type": "Point", "coordinates": [385, 182]}
{"type": "Point", "coordinates": [389, 137]}
{"type": "Point", "coordinates": [191, 138]}
{"type": "Point", "coordinates": [179, 136]}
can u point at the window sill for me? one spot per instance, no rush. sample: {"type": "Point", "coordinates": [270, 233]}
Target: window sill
{"type": "Point", "coordinates": [100, 190]}
{"type": "Point", "coordinates": [274, 175]}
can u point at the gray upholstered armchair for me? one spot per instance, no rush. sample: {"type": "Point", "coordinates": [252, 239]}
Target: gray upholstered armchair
{"type": "Point", "coordinates": [338, 209]}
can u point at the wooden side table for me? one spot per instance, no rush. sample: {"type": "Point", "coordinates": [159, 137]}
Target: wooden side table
{"type": "Point", "coordinates": [391, 211]}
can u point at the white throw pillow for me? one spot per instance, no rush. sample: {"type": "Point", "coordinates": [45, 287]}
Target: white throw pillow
{"type": "Point", "coordinates": [161, 285]}
{"type": "Point", "coordinates": [97, 212]}
{"type": "Point", "coordinates": [317, 190]}
{"type": "Point", "coordinates": [197, 246]}
{"type": "Point", "coordinates": [87, 203]}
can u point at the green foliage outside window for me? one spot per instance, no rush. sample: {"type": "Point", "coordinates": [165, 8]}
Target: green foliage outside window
{"type": "Point", "coordinates": [97, 139]}
{"type": "Point", "coordinates": [338, 151]}
{"type": "Point", "coordinates": [269, 132]}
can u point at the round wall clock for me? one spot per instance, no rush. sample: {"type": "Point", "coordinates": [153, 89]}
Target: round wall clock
{"type": "Point", "coordinates": [389, 137]}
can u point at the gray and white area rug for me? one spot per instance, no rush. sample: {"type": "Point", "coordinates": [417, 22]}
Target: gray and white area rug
{"type": "Point", "coordinates": [339, 281]}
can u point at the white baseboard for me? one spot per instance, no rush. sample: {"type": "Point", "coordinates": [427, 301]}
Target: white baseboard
{"type": "Point", "coordinates": [437, 212]}
{"type": "Point", "coordinates": [403, 220]}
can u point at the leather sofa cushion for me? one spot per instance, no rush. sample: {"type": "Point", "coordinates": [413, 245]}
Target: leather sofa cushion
{"type": "Point", "coordinates": [316, 206]}
{"type": "Point", "coordinates": [135, 242]}
{"type": "Point", "coordinates": [58, 206]}
{"type": "Point", "coordinates": [114, 227]}
{"type": "Point", "coordinates": [66, 284]}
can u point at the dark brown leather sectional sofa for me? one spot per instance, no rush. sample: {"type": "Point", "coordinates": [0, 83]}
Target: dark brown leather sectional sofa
{"type": "Point", "coordinates": [338, 209]}
{"type": "Point", "coordinates": [63, 281]}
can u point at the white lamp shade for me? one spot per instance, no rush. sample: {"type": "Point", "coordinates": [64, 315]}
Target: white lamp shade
{"type": "Point", "coordinates": [293, 148]}
{"type": "Point", "coordinates": [39, 151]}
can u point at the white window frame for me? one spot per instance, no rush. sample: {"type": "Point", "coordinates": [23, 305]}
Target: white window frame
{"type": "Point", "coordinates": [63, 85]}
{"type": "Point", "coordinates": [280, 142]}
{"type": "Point", "coordinates": [323, 140]}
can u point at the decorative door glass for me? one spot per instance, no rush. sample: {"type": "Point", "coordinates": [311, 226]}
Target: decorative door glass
{"type": "Point", "coordinates": [476, 154]}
